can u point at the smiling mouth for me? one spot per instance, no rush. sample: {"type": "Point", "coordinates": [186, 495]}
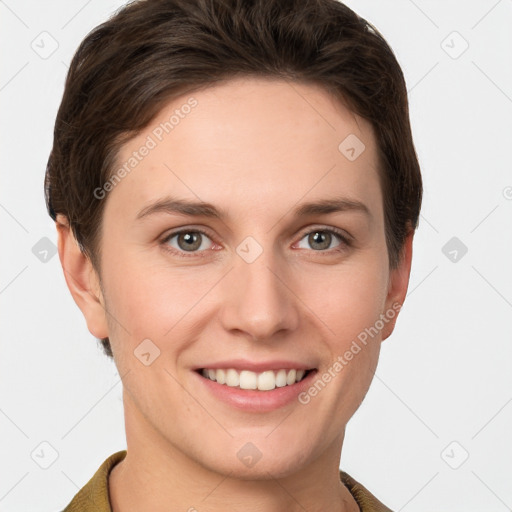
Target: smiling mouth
{"type": "Point", "coordinates": [261, 381]}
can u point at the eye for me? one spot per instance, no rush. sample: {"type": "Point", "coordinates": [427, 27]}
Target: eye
{"type": "Point", "coordinates": [187, 240]}
{"type": "Point", "coordinates": [196, 241]}
{"type": "Point", "coordinates": [322, 239]}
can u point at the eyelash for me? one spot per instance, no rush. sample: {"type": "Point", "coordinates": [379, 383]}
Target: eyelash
{"type": "Point", "coordinates": [338, 233]}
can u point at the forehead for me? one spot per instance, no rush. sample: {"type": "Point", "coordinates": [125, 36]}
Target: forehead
{"type": "Point", "coordinates": [261, 142]}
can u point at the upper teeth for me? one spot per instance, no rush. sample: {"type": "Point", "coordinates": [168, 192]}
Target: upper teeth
{"type": "Point", "coordinates": [246, 379]}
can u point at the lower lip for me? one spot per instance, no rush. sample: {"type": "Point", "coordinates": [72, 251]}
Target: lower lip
{"type": "Point", "coordinates": [254, 400]}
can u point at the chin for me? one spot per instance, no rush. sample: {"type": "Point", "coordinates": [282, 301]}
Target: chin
{"type": "Point", "coordinates": [257, 461]}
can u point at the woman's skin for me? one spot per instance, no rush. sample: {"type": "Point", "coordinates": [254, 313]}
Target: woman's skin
{"type": "Point", "coordinates": [256, 149]}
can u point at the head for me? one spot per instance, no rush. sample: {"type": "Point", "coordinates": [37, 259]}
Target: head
{"type": "Point", "coordinates": [253, 109]}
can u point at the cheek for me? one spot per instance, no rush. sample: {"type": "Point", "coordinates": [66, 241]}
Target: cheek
{"type": "Point", "coordinates": [150, 300]}
{"type": "Point", "coordinates": [349, 303]}
{"type": "Point", "coordinates": [348, 298]}
{"type": "Point", "coordinates": [352, 312]}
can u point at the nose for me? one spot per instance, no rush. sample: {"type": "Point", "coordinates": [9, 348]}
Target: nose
{"type": "Point", "coordinates": [258, 299]}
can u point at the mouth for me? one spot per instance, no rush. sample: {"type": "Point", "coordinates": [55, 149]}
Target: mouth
{"type": "Point", "coordinates": [267, 380]}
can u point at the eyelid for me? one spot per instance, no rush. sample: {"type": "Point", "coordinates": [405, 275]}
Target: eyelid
{"type": "Point", "coordinates": [188, 229]}
{"type": "Point", "coordinates": [345, 238]}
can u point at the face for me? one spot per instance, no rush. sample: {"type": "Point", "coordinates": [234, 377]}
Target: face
{"type": "Point", "coordinates": [245, 238]}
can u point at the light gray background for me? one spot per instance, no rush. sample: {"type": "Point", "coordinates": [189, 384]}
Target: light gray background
{"type": "Point", "coordinates": [443, 389]}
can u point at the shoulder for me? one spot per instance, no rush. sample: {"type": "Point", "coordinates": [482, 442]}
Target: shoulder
{"type": "Point", "coordinates": [364, 498]}
{"type": "Point", "coordinates": [93, 496]}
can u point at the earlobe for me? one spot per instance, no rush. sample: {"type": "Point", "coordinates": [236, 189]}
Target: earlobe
{"type": "Point", "coordinates": [82, 279]}
{"type": "Point", "coordinates": [398, 284]}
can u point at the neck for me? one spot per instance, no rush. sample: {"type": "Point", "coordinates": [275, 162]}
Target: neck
{"type": "Point", "coordinates": [157, 476]}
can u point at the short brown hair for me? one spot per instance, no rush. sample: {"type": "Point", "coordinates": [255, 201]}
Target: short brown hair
{"type": "Point", "coordinates": [151, 51]}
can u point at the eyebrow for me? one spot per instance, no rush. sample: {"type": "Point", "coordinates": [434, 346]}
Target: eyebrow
{"type": "Point", "coordinates": [190, 208]}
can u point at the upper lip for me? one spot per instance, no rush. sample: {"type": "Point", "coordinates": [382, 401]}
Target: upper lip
{"type": "Point", "coordinates": [253, 366]}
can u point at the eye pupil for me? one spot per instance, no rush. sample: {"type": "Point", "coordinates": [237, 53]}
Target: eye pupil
{"type": "Point", "coordinates": [193, 241]}
{"type": "Point", "coordinates": [320, 237]}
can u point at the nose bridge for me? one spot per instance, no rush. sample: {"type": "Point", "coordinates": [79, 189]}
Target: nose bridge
{"type": "Point", "coordinates": [257, 301]}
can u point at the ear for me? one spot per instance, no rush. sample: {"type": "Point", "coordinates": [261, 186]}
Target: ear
{"type": "Point", "coordinates": [82, 279]}
{"type": "Point", "coordinates": [398, 283]}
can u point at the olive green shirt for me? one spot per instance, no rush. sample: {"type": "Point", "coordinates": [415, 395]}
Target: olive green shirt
{"type": "Point", "coordinates": [94, 497]}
